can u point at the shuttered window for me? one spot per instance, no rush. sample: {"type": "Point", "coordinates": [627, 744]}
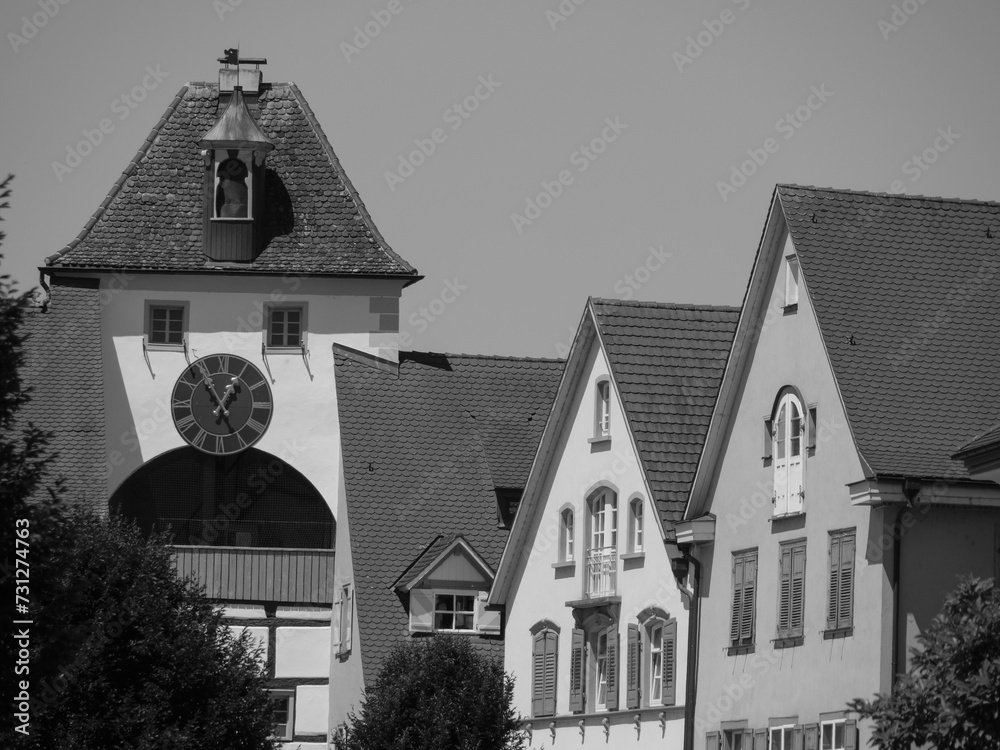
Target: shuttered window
{"type": "Point", "coordinates": [743, 615]}
{"type": "Point", "coordinates": [791, 589]}
{"type": "Point", "coordinates": [840, 606]}
{"type": "Point", "coordinates": [543, 673]}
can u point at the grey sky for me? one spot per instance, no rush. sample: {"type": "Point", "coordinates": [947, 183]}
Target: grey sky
{"type": "Point", "coordinates": [667, 98]}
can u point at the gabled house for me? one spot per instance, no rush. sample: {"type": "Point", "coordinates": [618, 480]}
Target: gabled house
{"type": "Point", "coordinates": [829, 513]}
{"type": "Point", "coordinates": [184, 360]}
{"type": "Point", "coordinates": [596, 591]}
{"type": "Point", "coordinates": [436, 451]}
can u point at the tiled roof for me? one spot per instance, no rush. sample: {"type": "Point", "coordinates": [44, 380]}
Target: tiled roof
{"type": "Point", "coordinates": [427, 557]}
{"type": "Point", "coordinates": [667, 361]}
{"type": "Point", "coordinates": [63, 367]}
{"type": "Point", "coordinates": [418, 450]}
{"type": "Point", "coordinates": [905, 292]}
{"type": "Point", "coordinates": [980, 444]}
{"type": "Point", "coordinates": [314, 221]}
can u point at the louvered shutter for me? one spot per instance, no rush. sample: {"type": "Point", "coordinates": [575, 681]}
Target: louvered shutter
{"type": "Point", "coordinates": [797, 737]}
{"type": "Point", "coordinates": [421, 611]}
{"type": "Point", "coordinates": [611, 665]}
{"type": "Point", "coordinates": [632, 657]}
{"type": "Point", "coordinates": [798, 589]}
{"type": "Point", "coordinates": [347, 620]}
{"type": "Point", "coordinates": [810, 734]}
{"type": "Point", "coordinates": [670, 664]}
{"type": "Point", "coordinates": [749, 600]}
{"type": "Point", "coordinates": [768, 437]}
{"type": "Point", "coordinates": [487, 620]}
{"type": "Point", "coordinates": [845, 612]}
{"type": "Point", "coordinates": [747, 741]}
{"type": "Point", "coordinates": [850, 734]}
{"type": "Point", "coordinates": [833, 605]}
{"type": "Point", "coordinates": [811, 437]}
{"type": "Point", "coordinates": [739, 567]}
{"type": "Point", "coordinates": [760, 739]}
{"type": "Point", "coordinates": [577, 671]}
{"type": "Point", "coordinates": [785, 591]}
{"type": "Point", "coordinates": [549, 676]}
{"type": "Point", "coordinates": [543, 674]}
{"type": "Point", "coordinates": [335, 626]}
{"type": "Point", "coordinates": [712, 741]}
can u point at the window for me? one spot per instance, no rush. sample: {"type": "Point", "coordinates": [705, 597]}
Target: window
{"type": "Point", "coordinates": [283, 706]}
{"type": "Point", "coordinates": [165, 326]}
{"type": "Point", "coordinates": [656, 664]}
{"type": "Point", "coordinates": [285, 328]}
{"type": "Point", "coordinates": [601, 659]}
{"type": "Point", "coordinates": [791, 281]}
{"type": "Point", "coordinates": [635, 530]}
{"type": "Point", "coordinates": [344, 625]}
{"type": "Point", "coordinates": [737, 739]}
{"type": "Point", "coordinates": [791, 590]}
{"type": "Point", "coordinates": [602, 556]}
{"type": "Point", "coordinates": [781, 737]}
{"type": "Point", "coordinates": [454, 612]}
{"type": "Point", "coordinates": [651, 660]}
{"type": "Point", "coordinates": [566, 536]}
{"type": "Point", "coordinates": [545, 648]}
{"type": "Point", "coordinates": [838, 734]}
{"type": "Point", "coordinates": [840, 606]}
{"type": "Point", "coordinates": [602, 410]}
{"type": "Point", "coordinates": [233, 186]}
{"type": "Point", "coordinates": [593, 680]}
{"type": "Point", "coordinates": [788, 433]}
{"type": "Point", "coordinates": [743, 621]}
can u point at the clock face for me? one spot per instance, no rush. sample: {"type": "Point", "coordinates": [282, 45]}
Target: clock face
{"type": "Point", "coordinates": [221, 404]}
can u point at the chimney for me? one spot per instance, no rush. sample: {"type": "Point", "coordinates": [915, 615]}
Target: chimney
{"type": "Point", "coordinates": [243, 72]}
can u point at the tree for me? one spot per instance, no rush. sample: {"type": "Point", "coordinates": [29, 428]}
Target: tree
{"type": "Point", "coordinates": [435, 693]}
{"type": "Point", "coordinates": [116, 651]}
{"type": "Point", "coordinates": [951, 696]}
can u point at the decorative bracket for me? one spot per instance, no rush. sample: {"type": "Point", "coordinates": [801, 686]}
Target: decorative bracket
{"type": "Point", "coordinates": [607, 728]}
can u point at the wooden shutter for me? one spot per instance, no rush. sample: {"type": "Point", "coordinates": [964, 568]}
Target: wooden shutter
{"type": "Point", "coordinates": [612, 667]}
{"type": "Point", "coordinates": [810, 734]}
{"type": "Point", "coordinates": [811, 435]}
{"type": "Point", "coordinates": [749, 599]}
{"type": "Point", "coordinates": [797, 737]}
{"type": "Point", "coordinates": [577, 673]}
{"type": "Point", "coordinates": [632, 670]}
{"type": "Point", "coordinates": [798, 590]}
{"type": "Point", "coordinates": [768, 436]}
{"type": "Point", "coordinates": [670, 664]}
{"type": "Point", "coordinates": [760, 739]}
{"type": "Point", "coordinates": [347, 620]}
{"type": "Point", "coordinates": [845, 611]}
{"type": "Point", "coordinates": [543, 673]}
{"type": "Point", "coordinates": [487, 620]}
{"type": "Point", "coordinates": [739, 568]}
{"type": "Point", "coordinates": [833, 604]}
{"type": "Point", "coordinates": [850, 734]}
{"type": "Point", "coordinates": [335, 626]}
{"type": "Point", "coordinates": [712, 741]}
{"type": "Point", "coordinates": [421, 611]}
{"type": "Point", "coordinates": [747, 742]}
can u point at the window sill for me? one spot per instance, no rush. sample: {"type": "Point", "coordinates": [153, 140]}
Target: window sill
{"type": "Point", "coordinates": [789, 641]}
{"type": "Point", "coordinates": [633, 556]}
{"type": "Point", "coordinates": [594, 602]}
{"type": "Point", "coordinates": [646, 712]}
{"type": "Point", "coordinates": [233, 219]}
{"type": "Point", "coordinates": [790, 309]}
{"type": "Point", "coordinates": [599, 439]}
{"type": "Point", "coordinates": [564, 565]}
{"type": "Point", "coordinates": [166, 347]}
{"type": "Point", "coordinates": [784, 516]}
{"type": "Point", "coordinates": [741, 650]}
{"type": "Point", "coordinates": [300, 350]}
{"type": "Point", "coordinates": [838, 633]}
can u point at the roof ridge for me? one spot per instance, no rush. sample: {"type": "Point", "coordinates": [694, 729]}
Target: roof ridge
{"type": "Point", "coordinates": [348, 185]}
{"type": "Point", "coordinates": [664, 305]}
{"type": "Point", "coordinates": [510, 357]}
{"type": "Point", "coordinates": [906, 196]}
{"type": "Point", "coordinates": [126, 173]}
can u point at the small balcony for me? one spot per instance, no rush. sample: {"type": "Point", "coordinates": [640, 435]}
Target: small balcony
{"type": "Point", "coordinates": [295, 576]}
{"type": "Point", "coordinates": [602, 573]}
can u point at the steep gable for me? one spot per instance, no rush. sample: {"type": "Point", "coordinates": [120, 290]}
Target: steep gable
{"type": "Point", "coordinates": [314, 220]}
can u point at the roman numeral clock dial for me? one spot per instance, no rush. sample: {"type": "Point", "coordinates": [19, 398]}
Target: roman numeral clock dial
{"type": "Point", "coordinates": [221, 404]}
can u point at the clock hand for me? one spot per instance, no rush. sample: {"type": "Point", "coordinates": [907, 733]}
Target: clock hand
{"type": "Point", "coordinates": [224, 401]}
{"type": "Point", "coordinates": [209, 383]}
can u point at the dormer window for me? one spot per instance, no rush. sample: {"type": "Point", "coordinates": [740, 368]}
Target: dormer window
{"type": "Point", "coordinates": [233, 186]}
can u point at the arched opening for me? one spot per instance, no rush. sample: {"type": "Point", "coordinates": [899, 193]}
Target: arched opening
{"type": "Point", "coordinates": [251, 499]}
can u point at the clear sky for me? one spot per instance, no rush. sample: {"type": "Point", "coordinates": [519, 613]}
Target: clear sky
{"type": "Point", "coordinates": [672, 102]}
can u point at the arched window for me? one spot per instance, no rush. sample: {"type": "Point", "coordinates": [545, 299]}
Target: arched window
{"type": "Point", "coordinates": [602, 550]}
{"type": "Point", "coordinates": [652, 657]}
{"type": "Point", "coordinates": [250, 499]}
{"type": "Point", "coordinates": [788, 433]}
{"type": "Point", "coordinates": [635, 525]}
{"type": "Point", "coordinates": [602, 408]}
{"type": "Point", "coordinates": [544, 668]}
{"type": "Point", "coordinates": [566, 536]}
{"type": "Point", "coordinates": [232, 186]}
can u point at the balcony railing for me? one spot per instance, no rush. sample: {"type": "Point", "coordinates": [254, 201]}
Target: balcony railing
{"type": "Point", "coordinates": [602, 572]}
{"type": "Point", "coordinates": [296, 576]}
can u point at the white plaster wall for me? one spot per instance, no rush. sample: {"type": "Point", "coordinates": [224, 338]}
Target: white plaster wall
{"type": "Point", "coordinates": [259, 637]}
{"type": "Point", "coordinates": [311, 709]}
{"type": "Point", "coordinates": [539, 592]}
{"type": "Point", "coordinates": [302, 652]}
{"type": "Point", "coordinates": [821, 675]}
{"type": "Point", "coordinates": [225, 315]}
